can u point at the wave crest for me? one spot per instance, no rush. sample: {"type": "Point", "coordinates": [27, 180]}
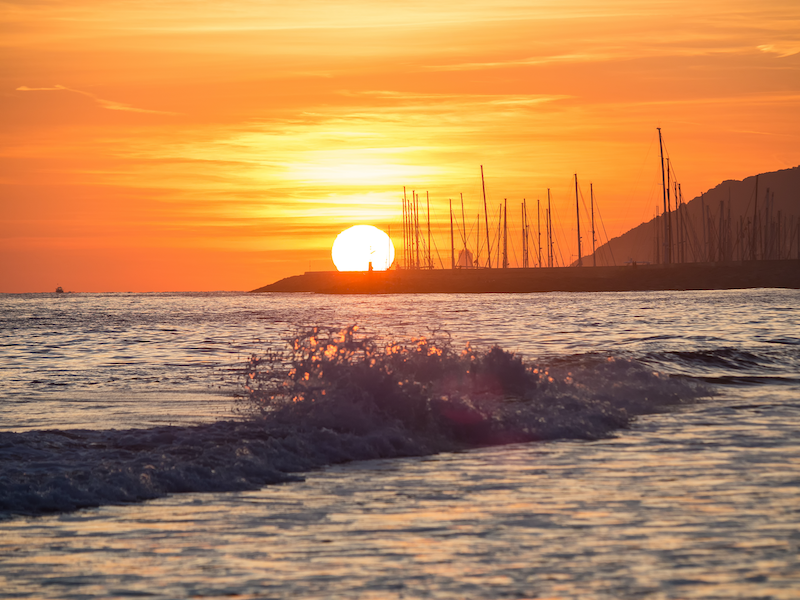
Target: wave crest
{"type": "Point", "coordinates": [341, 380]}
{"type": "Point", "coordinates": [336, 396]}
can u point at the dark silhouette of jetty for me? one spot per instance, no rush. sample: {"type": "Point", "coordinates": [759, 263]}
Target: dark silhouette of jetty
{"type": "Point", "coordinates": [687, 276]}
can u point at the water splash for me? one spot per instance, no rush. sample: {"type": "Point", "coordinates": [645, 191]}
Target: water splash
{"type": "Point", "coordinates": [354, 383]}
{"type": "Point", "coordinates": [335, 396]}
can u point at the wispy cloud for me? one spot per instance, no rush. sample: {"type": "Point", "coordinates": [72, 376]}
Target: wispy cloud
{"type": "Point", "coordinates": [107, 104]}
{"type": "Point", "coordinates": [782, 50]}
{"type": "Point", "coordinates": [542, 60]}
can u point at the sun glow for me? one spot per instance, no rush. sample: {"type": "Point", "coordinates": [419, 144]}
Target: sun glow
{"type": "Point", "coordinates": [362, 248]}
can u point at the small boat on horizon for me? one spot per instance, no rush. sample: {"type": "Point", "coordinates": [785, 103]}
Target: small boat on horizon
{"type": "Point", "coordinates": [59, 290]}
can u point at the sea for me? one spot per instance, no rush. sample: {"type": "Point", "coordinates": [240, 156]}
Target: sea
{"type": "Point", "coordinates": [554, 445]}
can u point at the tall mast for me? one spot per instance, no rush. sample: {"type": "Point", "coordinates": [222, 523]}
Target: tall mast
{"type": "Point", "coordinates": [405, 246]}
{"type": "Point", "coordinates": [655, 226]}
{"type": "Point", "coordinates": [430, 254]}
{"type": "Point", "coordinates": [679, 215]}
{"type": "Point", "coordinates": [464, 230]}
{"type": "Point", "coordinates": [486, 216]}
{"type": "Point", "coordinates": [411, 229]}
{"type": "Point", "coordinates": [416, 225]}
{"type": "Point", "coordinates": [476, 262]}
{"type": "Point", "coordinates": [755, 226]}
{"type": "Point", "coordinates": [549, 232]}
{"type": "Point", "coordinates": [505, 231]}
{"type": "Point", "coordinates": [553, 258]}
{"type": "Point", "coordinates": [452, 245]}
{"type": "Point", "coordinates": [679, 219]}
{"type": "Point", "coordinates": [524, 236]}
{"type": "Point", "coordinates": [664, 189]}
{"type": "Point", "coordinates": [594, 254]}
{"type": "Point", "coordinates": [669, 220]}
{"type": "Point", "coordinates": [703, 221]}
{"type": "Point", "coordinates": [683, 234]}
{"type": "Point", "coordinates": [410, 219]}
{"type": "Point", "coordinates": [499, 225]}
{"type": "Point", "coordinates": [578, 214]}
{"type": "Point", "coordinates": [539, 231]}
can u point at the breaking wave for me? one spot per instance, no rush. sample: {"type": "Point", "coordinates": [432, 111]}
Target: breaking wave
{"type": "Point", "coordinates": [336, 396]}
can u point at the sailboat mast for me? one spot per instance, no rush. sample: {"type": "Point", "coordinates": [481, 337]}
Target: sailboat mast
{"type": "Point", "coordinates": [755, 228]}
{"type": "Point", "coordinates": [578, 215]}
{"type": "Point", "coordinates": [405, 245]}
{"type": "Point", "coordinates": [681, 240]}
{"type": "Point", "coordinates": [655, 226]}
{"type": "Point", "coordinates": [539, 231]}
{"type": "Point", "coordinates": [416, 225]}
{"type": "Point", "coordinates": [409, 240]}
{"type": "Point", "coordinates": [430, 254]}
{"type": "Point", "coordinates": [452, 244]}
{"type": "Point", "coordinates": [553, 259]}
{"type": "Point", "coordinates": [703, 222]}
{"type": "Point", "coordinates": [591, 201]}
{"type": "Point", "coordinates": [478, 243]}
{"type": "Point", "coordinates": [664, 188]}
{"type": "Point", "coordinates": [549, 232]}
{"type": "Point", "coordinates": [524, 236]}
{"type": "Point", "coordinates": [464, 231]}
{"type": "Point", "coordinates": [499, 225]}
{"type": "Point", "coordinates": [505, 233]}
{"type": "Point", "coordinates": [669, 220]}
{"type": "Point", "coordinates": [486, 216]}
{"type": "Point", "coordinates": [411, 227]}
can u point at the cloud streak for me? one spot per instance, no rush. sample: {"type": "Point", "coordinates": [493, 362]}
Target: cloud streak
{"type": "Point", "coordinates": [782, 50]}
{"type": "Point", "coordinates": [107, 104]}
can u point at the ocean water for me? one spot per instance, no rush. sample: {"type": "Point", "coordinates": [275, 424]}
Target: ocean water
{"type": "Point", "coordinates": [634, 445]}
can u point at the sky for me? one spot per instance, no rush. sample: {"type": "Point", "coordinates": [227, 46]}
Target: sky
{"type": "Point", "coordinates": [179, 145]}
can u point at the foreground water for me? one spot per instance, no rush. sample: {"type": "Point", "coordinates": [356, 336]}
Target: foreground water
{"type": "Point", "coordinates": [698, 501]}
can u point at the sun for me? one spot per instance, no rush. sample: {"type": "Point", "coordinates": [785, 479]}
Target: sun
{"type": "Point", "coordinates": [362, 248]}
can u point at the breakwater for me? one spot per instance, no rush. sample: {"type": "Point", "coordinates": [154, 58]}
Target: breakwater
{"type": "Point", "coordinates": [688, 276]}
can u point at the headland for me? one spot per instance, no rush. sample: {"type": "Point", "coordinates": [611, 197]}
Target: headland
{"type": "Point", "coordinates": [634, 277]}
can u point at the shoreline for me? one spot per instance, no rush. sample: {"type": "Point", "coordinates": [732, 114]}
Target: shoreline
{"type": "Point", "coordinates": [686, 276]}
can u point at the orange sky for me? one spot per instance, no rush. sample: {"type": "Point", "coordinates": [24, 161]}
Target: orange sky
{"type": "Point", "coordinates": [183, 145]}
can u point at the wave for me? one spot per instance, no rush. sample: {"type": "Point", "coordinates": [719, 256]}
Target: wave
{"type": "Point", "coordinates": [336, 396]}
{"type": "Point", "coordinates": [777, 362]}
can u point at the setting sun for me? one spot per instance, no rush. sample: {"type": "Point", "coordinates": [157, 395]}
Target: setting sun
{"type": "Point", "coordinates": [362, 248]}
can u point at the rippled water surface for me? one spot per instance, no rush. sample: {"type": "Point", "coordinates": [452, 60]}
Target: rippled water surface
{"type": "Point", "coordinates": [701, 501]}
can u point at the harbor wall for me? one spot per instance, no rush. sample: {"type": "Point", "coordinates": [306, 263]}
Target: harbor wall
{"type": "Point", "coordinates": [690, 276]}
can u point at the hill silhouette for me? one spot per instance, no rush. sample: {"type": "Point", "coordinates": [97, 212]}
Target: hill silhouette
{"type": "Point", "coordinates": [736, 220]}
